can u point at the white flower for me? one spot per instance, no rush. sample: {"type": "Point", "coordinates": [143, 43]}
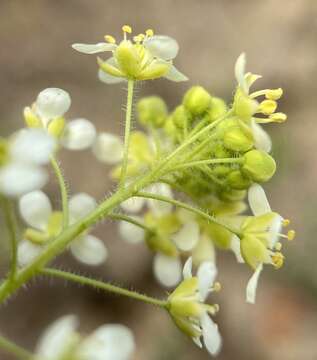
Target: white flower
{"type": "Point", "coordinates": [108, 148]}
{"type": "Point", "coordinates": [62, 341]}
{"type": "Point", "coordinates": [52, 103]}
{"type": "Point", "coordinates": [79, 134]}
{"type": "Point", "coordinates": [21, 159]}
{"type": "Point", "coordinates": [36, 211]}
{"type": "Point", "coordinates": [188, 309]}
{"type": "Point", "coordinates": [146, 57]}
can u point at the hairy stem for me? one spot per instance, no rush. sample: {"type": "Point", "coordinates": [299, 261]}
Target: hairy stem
{"type": "Point", "coordinates": [128, 119]}
{"type": "Point", "coordinates": [83, 280]}
{"type": "Point", "coordinates": [63, 189]}
{"type": "Point", "coordinates": [130, 220]}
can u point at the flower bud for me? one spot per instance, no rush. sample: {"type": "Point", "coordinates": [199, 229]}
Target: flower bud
{"type": "Point", "coordinates": [237, 181]}
{"type": "Point", "coordinates": [238, 139]}
{"type": "Point", "coordinates": [52, 103]}
{"type": "Point", "coordinates": [197, 100]}
{"type": "Point", "coordinates": [56, 127]}
{"type": "Point", "coordinates": [218, 108]}
{"type": "Point", "coordinates": [30, 118]}
{"type": "Point", "coordinates": [180, 116]}
{"type": "Point", "coordinates": [258, 165]}
{"type": "Point", "coordinates": [152, 111]}
{"type": "Point", "coordinates": [233, 195]}
{"type": "Point", "coordinates": [170, 128]}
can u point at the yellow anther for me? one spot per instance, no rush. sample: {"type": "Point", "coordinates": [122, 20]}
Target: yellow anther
{"type": "Point", "coordinates": [217, 286]}
{"type": "Point", "coordinates": [286, 222]}
{"type": "Point", "coordinates": [274, 94]}
{"type": "Point", "coordinates": [139, 38]}
{"type": "Point", "coordinates": [267, 107]}
{"type": "Point", "coordinates": [278, 260]}
{"type": "Point", "coordinates": [291, 235]}
{"type": "Point", "coordinates": [278, 117]}
{"type": "Point", "coordinates": [278, 246]}
{"type": "Point", "coordinates": [110, 39]}
{"type": "Point", "coordinates": [216, 307]}
{"type": "Point", "coordinates": [127, 29]}
{"type": "Point", "coordinates": [149, 32]}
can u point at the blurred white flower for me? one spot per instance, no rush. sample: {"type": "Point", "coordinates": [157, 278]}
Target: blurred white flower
{"type": "Point", "coordinates": [36, 210]}
{"type": "Point", "coordinates": [21, 160]}
{"type": "Point", "coordinates": [62, 341]}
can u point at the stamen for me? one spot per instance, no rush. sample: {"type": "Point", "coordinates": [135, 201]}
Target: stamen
{"type": "Point", "coordinates": [110, 39]}
{"type": "Point", "coordinates": [278, 260]}
{"type": "Point", "coordinates": [149, 32]}
{"type": "Point", "coordinates": [217, 286]}
{"type": "Point", "coordinates": [139, 38]}
{"type": "Point", "coordinates": [127, 29]}
{"type": "Point", "coordinates": [278, 117]}
{"type": "Point", "coordinates": [274, 94]}
{"type": "Point", "coordinates": [286, 222]}
{"type": "Point", "coordinates": [291, 235]}
{"type": "Point", "coordinates": [267, 107]}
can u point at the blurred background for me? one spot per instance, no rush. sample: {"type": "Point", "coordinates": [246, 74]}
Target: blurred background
{"type": "Point", "coordinates": [279, 38]}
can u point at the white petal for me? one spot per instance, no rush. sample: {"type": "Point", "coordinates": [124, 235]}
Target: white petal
{"type": "Point", "coordinates": [211, 335]}
{"type": "Point", "coordinates": [236, 248]}
{"type": "Point", "coordinates": [36, 209]}
{"type": "Point", "coordinates": [175, 75]}
{"type": "Point", "coordinates": [17, 179]}
{"type": "Point", "coordinates": [89, 250]}
{"type": "Point", "coordinates": [55, 339]}
{"type": "Point", "coordinates": [167, 270]}
{"type": "Point", "coordinates": [109, 79]}
{"type": "Point", "coordinates": [160, 207]}
{"type": "Point", "coordinates": [187, 269]}
{"type": "Point", "coordinates": [257, 200]}
{"type": "Point", "coordinates": [27, 252]}
{"type": "Point", "coordinates": [108, 342]}
{"type": "Point", "coordinates": [162, 47]}
{"type": "Point", "coordinates": [197, 342]}
{"type": "Point", "coordinates": [94, 48]}
{"type": "Point", "coordinates": [131, 233]}
{"type": "Point", "coordinates": [252, 285]}
{"type": "Point", "coordinates": [187, 237]}
{"type": "Point", "coordinates": [206, 274]}
{"type": "Point", "coordinates": [52, 103]}
{"type": "Point", "coordinates": [108, 148]}
{"type": "Point", "coordinates": [133, 205]}
{"type": "Point", "coordinates": [275, 230]}
{"type": "Point", "coordinates": [239, 70]}
{"type": "Point", "coordinates": [204, 251]}
{"type": "Point", "coordinates": [79, 134]}
{"type": "Point", "coordinates": [81, 205]}
{"type": "Point", "coordinates": [262, 140]}
{"type": "Point", "coordinates": [32, 146]}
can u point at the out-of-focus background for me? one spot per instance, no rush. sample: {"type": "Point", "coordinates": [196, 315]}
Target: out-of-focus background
{"type": "Point", "coordinates": [279, 38]}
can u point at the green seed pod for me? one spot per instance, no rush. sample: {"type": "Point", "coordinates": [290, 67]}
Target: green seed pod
{"type": "Point", "coordinates": [197, 100]}
{"type": "Point", "coordinates": [218, 108]}
{"type": "Point", "coordinates": [258, 165]}
{"type": "Point", "coordinates": [237, 181]}
{"type": "Point", "coordinates": [238, 139]}
{"type": "Point", "coordinates": [152, 111]}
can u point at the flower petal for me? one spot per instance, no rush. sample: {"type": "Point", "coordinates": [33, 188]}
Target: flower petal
{"type": "Point", "coordinates": [239, 71]}
{"type": "Point", "coordinates": [108, 148]}
{"type": "Point", "coordinates": [187, 269]}
{"type": "Point", "coordinates": [162, 47]}
{"type": "Point", "coordinates": [211, 335]}
{"type": "Point", "coordinates": [206, 274]}
{"type": "Point", "coordinates": [175, 75]}
{"type": "Point", "coordinates": [108, 342]}
{"type": "Point", "coordinates": [160, 207]}
{"type": "Point", "coordinates": [131, 233]}
{"type": "Point", "coordinates": [236, 248]}
{"type": "Point", "coordinates": [275, 230]}
{"type": "Point", "coordinates": [167, 270]}
{"type": "Point", "coordinates": [52, 103]}
{"type": "Point", "coordinates": [133, 205]}
{"type": "Point", "coordinates": [187, 237]}
{"type": "Point", "coordinates": [55, 339]}
{"type": "Point", "coordinates": [17, 179]}
{"type": "Point", "coordinates": [81, 205]}
{"type": "Point", "coordinates": [79, 134]}
{"type": "Point", "coordinates": [36, 209]}
{"type": "Point", "coordinates": [34, 146]}
{"type": "Point", "coordinates": [257, 200]}
{"type": "Point", "coordinates": [262, 140]}
{"type": "Point", "coordinates": [109, 79]}
{"type": "Point", "coordinates": [94, 48]}
{"type": "Point", "coordinates": [252, 285]}
{"type": "Point", "coordinates": [89, 250]}
{"type": "Point", "coordinates": [27, 252]}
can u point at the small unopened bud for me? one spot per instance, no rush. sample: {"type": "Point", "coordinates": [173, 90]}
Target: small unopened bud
{"type": "Point", "coordinates": [180, 116]}
{"type": "Point", "coordinates": [238, 139]}
{"type": "Point", "coordinates": [31, 119]}
{"type": "Point", "coordinates": [237, 181]}
{"type": "Point", "coordinates": [233, 195]}
{"type": "Point", "coordinates": [197, 100]}
{"type": "Point", "coordinates": [217, 109]}
{"type": "Point", "coordinates": [152, 111]}
{"type": "Point", "coordinates": [258, 165]}
{"type": "Point", "coordinates": [56, 127]}
{"type": "Point", "coordinates": [274, 94]}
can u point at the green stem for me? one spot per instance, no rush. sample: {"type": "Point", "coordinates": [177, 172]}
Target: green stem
{"type": "Point", "coordinates": [63, 189]}
{"type": "Point", "coordinates": [83, 280]}
{"type": "Point", "coordinates": [14, 349]}
{"type": "Point", "coordinates": [130, 220]}
{"type": "Point", "coordinates": [128, 118]}
{"type": "Point", "coordinates": [10, 220]}
{"type": "Point", "coordinates": [187, 207]}
{"type": "Point", "coordinates": [209, 162]}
